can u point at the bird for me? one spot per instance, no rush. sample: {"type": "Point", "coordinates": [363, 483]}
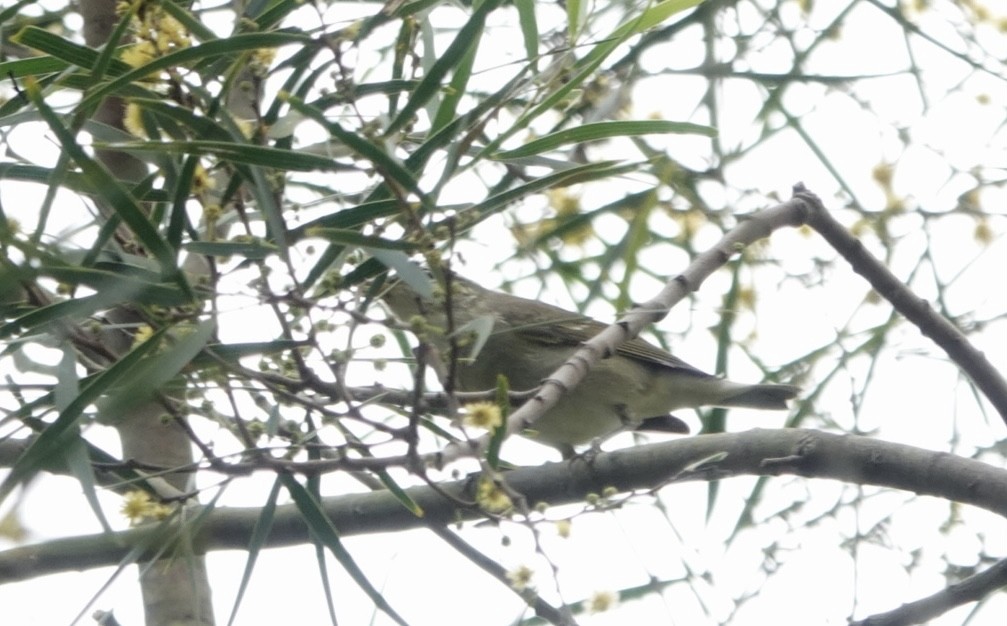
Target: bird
{"type": "Point", "coordinates": [525, 340]}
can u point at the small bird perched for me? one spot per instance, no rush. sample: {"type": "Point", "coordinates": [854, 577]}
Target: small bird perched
{"type": "Point", "coordinates": [526, 341]}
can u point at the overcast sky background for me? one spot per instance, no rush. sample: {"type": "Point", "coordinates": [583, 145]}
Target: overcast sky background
{"type": "Point", "coordinates": [920, 395]}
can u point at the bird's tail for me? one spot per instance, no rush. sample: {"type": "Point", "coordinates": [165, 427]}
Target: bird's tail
{"type": "Point", "coordinates": [765, 396]}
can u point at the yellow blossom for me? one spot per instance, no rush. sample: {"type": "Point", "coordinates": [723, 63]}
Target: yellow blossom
{"type": "Point", "coordinates": [983, 233]}
{"type": "Point", "coordinates": [201, 181]}
{"type": "Point", "coordinates": [132, 120]}
{"type": "Point", "coordinates": [520, 578]}
{"type": "Point", "coordinates": [563, 528]}
{"type": "Point", "coordinates": [142, 334]}
{"type": "Point", "coordinates": [564, 202]}
{"type": "Point", "coordinates": [602, 601]}
{"type": "Point", "coordinates": [747, 298]}
{"type": "Point", "coordinates": [171, 35]}
{"type": "Point", "coordinates": [484, 415]}
{"type": "Point", "coordinates": [261, 60]}
{"type": "Point", "coordinates": [882, 174]}
{"type": "Point", "coordinates": [139, 54]}
{"type": "Point", "coordinates": [135, 505]}
{"type": "Point", "coordinates": [247, 127]}
{"type": "Point", "coordinates": [492, 497]}
{"type": "Point", "coordinates": [138, 506]}
{"type": "Point", "coordinates": [11, 527]}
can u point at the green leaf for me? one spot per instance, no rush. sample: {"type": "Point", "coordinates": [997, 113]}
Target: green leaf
{"type": "Point", "coordinates": [152, 373]}
{"type": "Point", "coordinates": [117, 287]}
{"type": "Point", "coordinates": [603, 130]}
{"type": "Point", "coordinates": [576, 16]}
{"type": "Point", "coordinates": [109, 188]}
{"type": "Point", "coordinates": [14, 10]}
{"type": "Point", "coordinates": [446, 137]}
{"type": "Point", "coordinates": [36, 320]}
{"type": "Point", "coordinates": [274, 14]}
{"type": "Point", "coordinates": [231, 151]}
{"type": "Point", "coordinates": [260, 532]}
{"type": "Point", "coordinates": [78, 461]}
{"type": "Point", "coordinates": [53, 443]}
{"type": "Point", "coordinates": [456, 89]}
{"type": "Point", "coordinates": [201, 126]}
{"type": "Point", "coordinates": [407, 270]}
{"type": "Point", "coordinates": [384, 162]}
{"type": "Point", "coordinates": [179, 11]}
{"type": "Point", "coordinates": [323, 530]}
{"type": "Point", "coordinates": [529, 28]}
{"type": "Point", "coordinates": [586, 67]}
{"type": "Point", "coordinates": [114, 282]}
{"type": "Point", "coordinates": [400, 494]}
{"type": "Point", "coordinates": [573, 175]}
{"type": "Point", "coordinates": [64, 50]}
{"type": "Point", "coordinates": [500, 432]}
{"type": "Point", "coordinates": [106, 57]}
{"type": "Point", "coordinates": [39, 66]}
{"type": "Point", "coordinates": [256, 249]}
{"type": "Point", "coordinates": [209, 50]}
{"type": "Point", "coordinates": [354, 238]}
{"type": "Point", "coordinates": [432, 82]}
{"type": "Point", "coordinates": [349, 218]}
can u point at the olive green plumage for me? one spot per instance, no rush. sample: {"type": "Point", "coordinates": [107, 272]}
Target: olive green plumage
{"type": "Point", "coordinates": [636, 387]}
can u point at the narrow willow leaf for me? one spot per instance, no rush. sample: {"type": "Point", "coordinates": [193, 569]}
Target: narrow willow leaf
{"type": "Point", "coordinates": [433, 81]}
{"type": "Point", "coordinates": [400, 494]}
{"type": "Point", "coordinates": [407, 270]}
{"type": "Point", "coordinates": [207, 51]}
{"type": "Point", "coordinates": [65, 50]}
{"type": "Point", "coordinates": [586, 67]}
{"type": "Point", "coordinates": [256, 250]}
{"type": "Point", "coordinates": [109, 188]}
{"type": "Point", "coordinates": [260, 532]}
{"type": "Point", "coordinates": [13, 10]}
{"type": "Point", "coordinates": [152, 373]}
{"type": "Point", "coordinates": [51, 444]}
{"type": "Point", "coordinates": [350, 217]}
{"type": "Point", "coordinates": [321, 527]}
{"type": "Point", "coordinates": [529, 28]}
{"type": "Point", "coordinates": [369, 150]}
{"type": "Point", "coordinates": [576, 16]}
{"type": "Point", "coordinates": [36, 320]}
{"type": "Point", "coordinates": [578, 174]}
{"type": "Point", "coordinates": [231, 151]}
{"type": "Point", "coordinates": [354, 238]}
{"type": "Point", "coordinates": [604, 130]}
{"type": "Point", "coordinates": [456, 89]}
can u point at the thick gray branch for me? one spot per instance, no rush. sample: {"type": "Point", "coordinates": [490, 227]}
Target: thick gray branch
{"type": "Point", "coordinates": [813, 454]}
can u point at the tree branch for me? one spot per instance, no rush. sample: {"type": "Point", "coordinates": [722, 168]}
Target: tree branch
{"type": "Point", "coordinates": [808, 453]}
{"type": "Point", "coordinates": [914, 308]}
{"type": "Point", "coordinates": [972, 589]}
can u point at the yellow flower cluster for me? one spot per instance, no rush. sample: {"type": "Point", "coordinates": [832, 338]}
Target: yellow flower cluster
{"type": "Point", "coordinates": [138, 506]}
{"type": "Point", "coordinates": [520, 577]}
{"type": "Point", "coordinates": [492, 497]}
{"type": "Point", "coordinates": [157, 34]}
{"type": "Point", "coordinates": [484, 415]}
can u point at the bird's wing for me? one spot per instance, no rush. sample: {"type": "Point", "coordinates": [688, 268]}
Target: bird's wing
{"type": "Point", "coordinates": [576, 329]}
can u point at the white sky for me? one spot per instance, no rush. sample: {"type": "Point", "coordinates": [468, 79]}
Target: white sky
{"type": "Point", "coordinates": [920, 395]}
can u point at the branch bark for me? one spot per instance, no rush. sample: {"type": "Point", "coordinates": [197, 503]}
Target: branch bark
{"type": "Point", "coordinates": [808, 453]}
{"type": "Point", "coordinates": [176, 591]}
